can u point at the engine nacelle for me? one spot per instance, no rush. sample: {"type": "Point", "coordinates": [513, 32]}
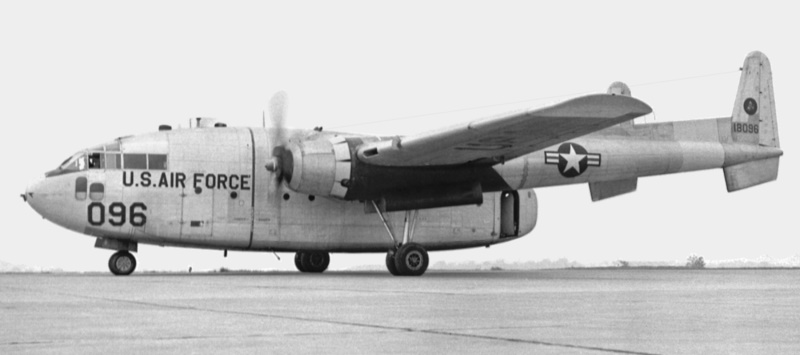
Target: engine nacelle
{"type": "Point", "coordinates": [318, 166]}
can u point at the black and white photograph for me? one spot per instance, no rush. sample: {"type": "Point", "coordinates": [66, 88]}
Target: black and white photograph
{"type": "Point", "coordinates": [376, 177]}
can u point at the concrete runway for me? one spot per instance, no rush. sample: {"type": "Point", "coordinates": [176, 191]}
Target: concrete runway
{"type": "Point", "coordinates": [551, 312]}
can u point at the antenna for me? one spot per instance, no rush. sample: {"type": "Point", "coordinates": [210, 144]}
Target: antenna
{"type": "Point", "coordinates": [190, 123]}
{"type": "Point", "coordinates": [264, 122]}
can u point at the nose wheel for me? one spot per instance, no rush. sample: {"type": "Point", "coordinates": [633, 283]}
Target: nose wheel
{"type": "Point", "coordinates": [122, 263]}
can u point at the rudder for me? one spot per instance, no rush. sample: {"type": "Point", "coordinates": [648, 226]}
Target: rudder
{"type": "Point", "coordinates": [753, 123]}
{"type": "Point", "coordinates": [754, 120]}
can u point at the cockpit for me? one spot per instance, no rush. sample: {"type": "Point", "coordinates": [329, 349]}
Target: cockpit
{"type": "Point", "coordinates": [94, 158]}
{"type": "Point", "coordinates": [109, 156]}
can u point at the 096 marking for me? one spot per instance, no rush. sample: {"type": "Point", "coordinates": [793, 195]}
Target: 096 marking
{"type": "Point", "coordinates": [117, 213]}
{"type": "Point", "coordinates": [739, 127]}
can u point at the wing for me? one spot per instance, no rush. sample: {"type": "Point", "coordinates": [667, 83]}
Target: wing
{"type": "Point", "coordinates": [508, 136]}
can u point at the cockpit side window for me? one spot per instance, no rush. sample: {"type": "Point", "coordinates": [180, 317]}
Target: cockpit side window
{"type": "Point", "coordinates": [135, 161]}
{"type": "Point", "coordinates": [94, 160]}
{"type": "Point", "coordinates": [144, 161]}
{"type": "Point", "coordinates": [98, 160]}
{"type": "Point", "coordinates": [113, 161]}
{"type": "Point", "coordinates": [157, 161]}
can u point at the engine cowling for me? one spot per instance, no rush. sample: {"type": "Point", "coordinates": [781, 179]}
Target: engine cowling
{"type": "Point", "coordinates": [318, 166]}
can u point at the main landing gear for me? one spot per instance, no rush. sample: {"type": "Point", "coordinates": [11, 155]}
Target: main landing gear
{"type": "Point", "coordinates": [405, 258]}
{"type": "Point", "coordinates": [122, 263]}
{"type": "Point", "coordinates": [408, 260]}
{"type": "Point", "coordinates": [312, 261]}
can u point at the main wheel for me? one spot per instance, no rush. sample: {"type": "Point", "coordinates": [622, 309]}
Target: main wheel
{"type": "Point", "coordinates": [298, 261]}
{"type": "Point", "coordinates": [390, 263]}
{"type": "Point", "coordinates": [315, 261]}
{"type": "Point", "coordinates": [411, 260]}
{"type": "Point", "coordinates": [122, 263]}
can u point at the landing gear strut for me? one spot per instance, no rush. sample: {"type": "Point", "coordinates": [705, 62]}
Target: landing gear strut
{"type": "Point", "coordinates": [405, 258]}
{"type": "Point", "coordinates": [312, 261]}
{"type": "Point", "coordinates": [122, 263]}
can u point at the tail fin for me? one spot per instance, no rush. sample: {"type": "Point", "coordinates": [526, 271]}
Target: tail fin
{"type": "Point", "coordinates": [754, 109]}
{"type": "Point", "coordinates": [754, 126]}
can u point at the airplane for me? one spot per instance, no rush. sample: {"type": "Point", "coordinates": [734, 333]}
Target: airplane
{"type": "Point", "coordinates": [315, 192]}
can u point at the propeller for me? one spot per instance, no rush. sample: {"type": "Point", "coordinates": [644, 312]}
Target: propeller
{"type": "Point", "coordinates": [282, 162]}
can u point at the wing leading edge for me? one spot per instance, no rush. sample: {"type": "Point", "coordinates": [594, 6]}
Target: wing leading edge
{"type": "Point", "coordinates": [508, 136]}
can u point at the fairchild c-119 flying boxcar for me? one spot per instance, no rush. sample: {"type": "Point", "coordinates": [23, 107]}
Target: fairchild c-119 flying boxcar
{"type": "Point", "coordinates": [315, 192]}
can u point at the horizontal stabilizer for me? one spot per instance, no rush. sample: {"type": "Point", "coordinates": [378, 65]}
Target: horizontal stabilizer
{"type": "Point", "coordinates": [606, 189]}
{"type": "Point", "coordinates": [751, 173]}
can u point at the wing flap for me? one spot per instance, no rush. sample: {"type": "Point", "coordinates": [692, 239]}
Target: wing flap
{"type": "Point", "coordinates": [508, 136]}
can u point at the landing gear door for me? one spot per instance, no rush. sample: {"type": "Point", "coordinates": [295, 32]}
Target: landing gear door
{"type": "Point", "coordinates": [198, 213]}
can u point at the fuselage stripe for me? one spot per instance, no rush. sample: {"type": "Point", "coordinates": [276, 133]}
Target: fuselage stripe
{"type": "Point", "coordinates": [253, 191]}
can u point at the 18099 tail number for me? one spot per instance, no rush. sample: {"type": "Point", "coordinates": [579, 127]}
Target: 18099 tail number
{"type": "Point", "coordinates": [118, 214]}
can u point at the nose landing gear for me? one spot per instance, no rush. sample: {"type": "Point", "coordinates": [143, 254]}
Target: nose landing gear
{"type": "Point", "coordinates": [122, 263]}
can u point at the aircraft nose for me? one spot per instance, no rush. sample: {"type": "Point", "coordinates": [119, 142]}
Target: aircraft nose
{"type": "Point", "coordinates": [29, 191]}
{"type": "Point", "coordinates": [33, 195]}
{"type": "Point", "coordinates": [54, 199]}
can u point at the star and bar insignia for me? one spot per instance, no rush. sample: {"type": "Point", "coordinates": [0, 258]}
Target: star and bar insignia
{"type": "Point", "coordinates": [572, 159]}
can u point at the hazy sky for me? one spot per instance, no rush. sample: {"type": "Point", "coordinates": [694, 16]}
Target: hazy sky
{"type": "Point", "coordinates": [75, 74]}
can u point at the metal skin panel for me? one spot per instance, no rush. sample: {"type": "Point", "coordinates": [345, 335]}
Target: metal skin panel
{"type": "Point", "coordinates": [755, 103]}
{"type": "Point", "coordinates": [507, 136]}
{"type": "Point", "coordinates": [749, 174]}
{"type": "Point", "coordinates": [637, 151]}
{"type": "Point", "coordinates": [216, 193]}
{"type": "Point", "coordinates": [336, 225]}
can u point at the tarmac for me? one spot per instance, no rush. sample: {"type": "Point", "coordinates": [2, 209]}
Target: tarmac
{"type": "Point", "coordinates": [575, 311]}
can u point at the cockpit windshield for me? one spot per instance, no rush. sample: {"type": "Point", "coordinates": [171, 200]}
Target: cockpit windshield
{"type": "Point", "coordinates": [72, 164]}
{"type": "Point", "coordinates": [75, 162]}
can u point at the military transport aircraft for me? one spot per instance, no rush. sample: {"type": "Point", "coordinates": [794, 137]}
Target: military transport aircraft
{"type": "Point", "coordinates": [314, 192]}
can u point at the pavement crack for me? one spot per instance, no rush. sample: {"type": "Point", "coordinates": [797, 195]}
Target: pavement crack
{"type": "Point", "coordinates": [371, 326]}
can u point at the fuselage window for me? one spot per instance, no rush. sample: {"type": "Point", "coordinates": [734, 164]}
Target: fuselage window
{"type": "Point", "coordinates": [157, 161]}
{"type": "Point", "coordinates": [135, 161]}
{"type": "Point", "coordinates": [80, 188]}
{"type": "Point", "coordinates": [96, 191]}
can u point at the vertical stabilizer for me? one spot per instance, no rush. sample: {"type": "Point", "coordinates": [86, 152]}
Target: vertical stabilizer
{"type": "Point", "coordinates": [753, 119]}
{"type": "Point", "coordinates": [753, 123]}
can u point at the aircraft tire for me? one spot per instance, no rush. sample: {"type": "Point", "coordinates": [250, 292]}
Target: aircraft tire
{"type": "Point", "coordinates": [315, 261]}
{"type": "Point", "coordinates": [390, 263]}
{"type": "Point", "coordinates": [411, 260]}
{"type": "Point", "coordinates": [298, 261]}
{"type": "Point", "coordinates": [122, 263]}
